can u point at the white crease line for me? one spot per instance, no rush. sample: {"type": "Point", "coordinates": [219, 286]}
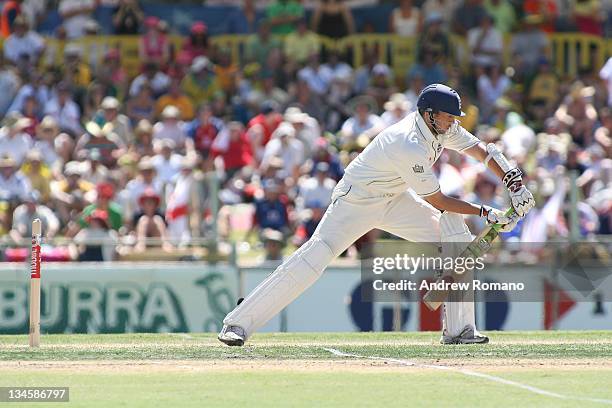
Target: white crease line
{"type": "Point", "coordinates": [182, 335]}
{"type": "Point", "coordinates": [489, 377]}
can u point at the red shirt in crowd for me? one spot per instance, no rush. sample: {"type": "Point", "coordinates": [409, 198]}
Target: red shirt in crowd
{"type": "Point", "coordinates": [238, 153]}
{"type": "Point", "coordinates": [545, 8]}
{"type": "Point", "coordinates": [268, 129]}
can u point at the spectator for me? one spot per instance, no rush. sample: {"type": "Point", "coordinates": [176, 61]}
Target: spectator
{"type": "Point", "coordinates": [270, 91]}
{"type": "Point", "coordinates": [518, 138]}
{"type": "Point", "coordinates": [274, 242]}
{"type": "Point", "coordinates": [143, 143]}
{"type": "Point", "coordinates": [244, 20]}
{"type": "Point", "coordinates": [314, 76]}
{"type": "Point", "coordinates": [429, 70]}
{"type": "Point", "coordinates": [578, 113]}
{"type": "Point", "coordinates": [34, 11]}
{"type": "Point", "coordinates": [226, 71]}
{"type": "Point", "coordinates": [96, 242]}
{"type": "Point", "coordinates": [14, 185]}
{"type": "Point", "coordinates": [119, 122]}
{"type": "Point", "coordinates": [154, 46]}
{"type": "Point", "coordinates": [127, 17]}
{"type": "Point", "coordinates": [406, 20]}
{"type": "Point", "coordinates": [112, 74]}
{"type": "Point", "coordinates": [528, 46]}
{"type": "Point", "coordinates": [93, 170]}
{"type": "Point", "coordinates": [204, 130]}
{"type": "Point", "coordinates": [151, 224]}
{"type": "Point", "coordinates": [260, 45]}
{"type": "Point", "coordinates": [30, 111]}
{"type": "Point", "coordinates": [167, 163]}
{"type": "Point", "coordinates": [170, 127]}
{"type": "Point", "coordinates": [145, 180]}
{"type": "Point", "coordinates": [472, 113]}
{"type": "Point", "coordinates": [102, 138]}
{"type": "Point", "coordinates": [26, 212]}
{"type": "Point", "coordinates": [491, 85]}
{"type": "Point", "coordinates": [96, 92]}
{"type": "Point", "coordinates": [302, 43]}
{"type": "Point", "coordinates": [467, 16]}
{"type": "Point", "coordinates": [23, 43]}
{"type": "Point", "coordinates": [197, 44]}
{"type": "Point", "coordinates": [316, 191]}
{"type": "Point", "coordinates": [415, 85]}
{"type": "Point", "coordinates": [543, 92]}
{"type": "Point", "coordinates": [76, 14]}
{"type": "Point", "coordinates": [307, 129]}
{"type": "Point", "coordinates": [381, 85]}
{"type": "Point", "coordinates": [324, 153]}
{"type": "Point", "coordinates": [181, 204]}
{"type": "Point", "coordinates": [364, 122]}
{"type": "Point", "coordinates": [334, 67]}
{"type": "Point", "coordinates": [546, 10]}
{"type": "Point", "coordinates": [9, 83]}
{"type": "Point", "coordinates": [433, 40]}
{"type": "Point", "coordinates": [14, 141]}
{"type": "Point", "coordinates": [76, 71]}
{"type": "Point", "coordinates": [310, 102]}
{"type": "Point", "coordinates": [285, 146]}
{"type": "Point", "coordinates": [46, 132]}
{"type": "Point", "coordinates": [503, 14]}
{"type": "Point", "coordinates": [486, 43]}
{"type": "Point", "coordinates": [32, 87]}
{"type": "Point", "coordinates": [153, 77]}
{"type": "Point", "coordinates": [38, 174]}
{"type": "Point", "coordinates": [175, 97]}
{"type": "Point", "coordinates": [68, 193]}
{"type": "Point", "coordinates": [282, 15]}
{"type": "Point", "coordinates": [235, 150]}
{"type": "Point", "coordinates": [271, 211]}
{"type": "Point", "coordinates": [261, 127]}
{"type": "Point", "coordinates": [340, 92]}
{"type": "Point", "coordinates": [589, 17]}
{"type": "Point", "coordinates": [11, 9]}
{"type": "Point", "coordinates": [104, 195]}
{"type": "Point", "coordinates": [201, 84]}
{"type": "Point", "coordinates": [443, 8]}
{"type": "Point", "coordinates": [333, 19]}
{"type": "Point", "coordinates": [396, 109]}
{"type": "Point", "coordinates": [606, 75]}
{"type": "Point", "coordinates": [141, 106]}
{"type": "Point", "coordinates": [64, 110]}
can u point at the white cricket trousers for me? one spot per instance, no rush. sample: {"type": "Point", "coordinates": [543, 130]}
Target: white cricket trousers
{"type": "Point", "coordinates": [353, 212]}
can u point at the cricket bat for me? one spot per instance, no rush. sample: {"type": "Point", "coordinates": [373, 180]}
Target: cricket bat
{"type": "Point", "coordinates": [35, 284]}
{"type": "Point", "coordinates": [433, 299]}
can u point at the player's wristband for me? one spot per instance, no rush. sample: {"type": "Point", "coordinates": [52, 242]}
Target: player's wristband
{"type": "Point", "coordinates": [513, 179]}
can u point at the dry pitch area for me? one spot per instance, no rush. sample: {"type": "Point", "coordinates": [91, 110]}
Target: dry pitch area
{"type": "Point", "coordinates": [560, 369]}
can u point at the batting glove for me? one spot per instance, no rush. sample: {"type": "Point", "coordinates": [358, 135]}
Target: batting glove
{"type": "Point", "coordinates": [495, 216]}
{"type": "Point", "coordinates": [521, 198]}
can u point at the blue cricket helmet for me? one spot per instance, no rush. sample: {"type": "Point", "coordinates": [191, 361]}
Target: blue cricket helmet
{"type": "Point", "coordinates": [440, 98]}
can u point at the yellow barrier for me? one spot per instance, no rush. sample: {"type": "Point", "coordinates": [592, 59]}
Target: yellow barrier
{"type": "Point", "coordinates": [570, 51]}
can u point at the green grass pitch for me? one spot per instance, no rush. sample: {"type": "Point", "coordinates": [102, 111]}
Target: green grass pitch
{"type": "Point", "coordinates": [550, 369]}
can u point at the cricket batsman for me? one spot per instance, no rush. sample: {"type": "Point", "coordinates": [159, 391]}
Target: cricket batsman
{"type": "Point", "coordinates": [391, 186]}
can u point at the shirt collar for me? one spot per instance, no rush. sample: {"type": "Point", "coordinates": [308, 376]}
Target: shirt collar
{"type": "Point", "coordinates": [424, 129]}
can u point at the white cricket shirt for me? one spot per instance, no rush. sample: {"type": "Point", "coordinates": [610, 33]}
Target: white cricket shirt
{"type": "Point", "coordinates": [401, 157]}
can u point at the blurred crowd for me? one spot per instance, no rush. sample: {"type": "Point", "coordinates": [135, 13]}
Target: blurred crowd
{"type": "Point", "coordinates": [104, 157]}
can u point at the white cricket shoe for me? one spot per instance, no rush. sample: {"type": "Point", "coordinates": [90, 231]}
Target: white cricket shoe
{"type": "Point", "coordinates": [232, 335]}
{"type": "Point", "coordinates": [467, 336]}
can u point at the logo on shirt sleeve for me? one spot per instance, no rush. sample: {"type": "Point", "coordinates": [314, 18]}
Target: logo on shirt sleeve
{"type": "Point", "coordinates": [417, 168]}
